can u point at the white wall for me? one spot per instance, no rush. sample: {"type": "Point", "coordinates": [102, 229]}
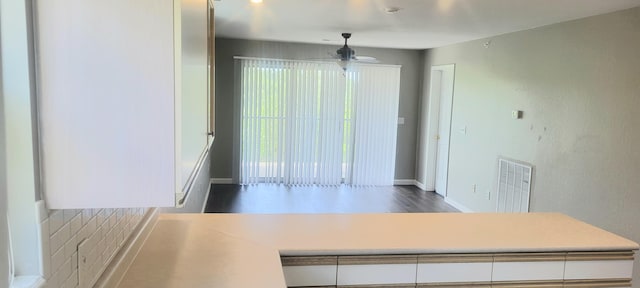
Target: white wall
{"type": "Point", "coordinates": [17, 94]}
{"type": "Point", "coordinates": [578, 84]}
{"type": "Point", "coordinates": [4, 232]}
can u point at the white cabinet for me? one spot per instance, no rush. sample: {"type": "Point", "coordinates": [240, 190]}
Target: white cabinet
{"type": "Point", "coordinates": [599, 265]}
{"type": "Point", "coordinates": [443, 268]}
{"type": "Point", "coordinates": [310, 271]}
{"type": "Point", "coordinates": [377, 269]}
{"type": "Point", "coordinates": [506, 270]}
{"type": "Point", "coordinates": [122, 100]}
{"type": "Point", "coordinates": [528, 266]}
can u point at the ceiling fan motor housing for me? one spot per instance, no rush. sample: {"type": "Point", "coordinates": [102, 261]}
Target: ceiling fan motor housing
{"type": "Point", "coordinates": [346, 53]}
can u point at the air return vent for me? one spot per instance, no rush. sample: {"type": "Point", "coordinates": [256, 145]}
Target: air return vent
{"type": "Point", "coordinates": [514, 186]}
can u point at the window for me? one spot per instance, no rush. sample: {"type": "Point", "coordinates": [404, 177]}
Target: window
{"type": "Point", "coordinates": [311, 123]}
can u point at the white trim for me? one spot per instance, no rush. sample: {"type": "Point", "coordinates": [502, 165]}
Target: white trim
{"type": "Point", "coordinates": [430, 187]}
{"type": "Point", "coordinates": [433, 129]}
{"type": "Point", "coordinates": [457, 205]}
{"type": "Point", "coordinates": [206, 197]}
{"type": "Point", "coordinates": [120, 263]}
{"type": "Point", "coordinates": [404, 182]}
{"type": "Point", "coordinates": [420, 185]}
{"type": "Point", "coordinates": [28, 282]}
{"type": "Point", "coordinates": [183, 196]}
{"type": "Point", "coordinates": [222, 180]}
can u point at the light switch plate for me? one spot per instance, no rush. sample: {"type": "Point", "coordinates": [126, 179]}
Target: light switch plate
{"type": "Point", "coordinates": [400, 120]}
{"type": "Point", "coordinates": [516, 114]}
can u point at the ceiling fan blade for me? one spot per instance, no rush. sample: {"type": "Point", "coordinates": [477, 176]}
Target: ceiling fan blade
{"type": "Point", "coordinates": [322, 59]}
{"type": "Point", "coordinates": [333, 55]}
{"type": "Point", "coordinates": [366, 59]}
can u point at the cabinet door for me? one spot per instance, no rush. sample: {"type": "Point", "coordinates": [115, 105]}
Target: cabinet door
{"type": "Point", "coordinates": [122, 99]}
{"type": "Point", "coordinates": [445, 268]}
{"type": "Point", "coordinates": [310, 271]}
{"type": "Point", "coordinates": [377, 270]}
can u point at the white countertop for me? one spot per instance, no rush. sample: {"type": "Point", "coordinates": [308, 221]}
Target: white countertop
{"type": "Point", "coordinates": [243, 250]}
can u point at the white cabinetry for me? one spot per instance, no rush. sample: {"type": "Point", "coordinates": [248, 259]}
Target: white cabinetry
{"type": "Point", "coordinates": [508, 270]}
{"type": "Point", "coordinates": [443, 268]}
{"type": "Point", "coordinates": [375, 270]}
{"type": "Point", "coordinates": [122, 100]}
{"type": "Point", "coordinates": [310, 271]}
{"type": "Point", "coordinates": [528, 266]}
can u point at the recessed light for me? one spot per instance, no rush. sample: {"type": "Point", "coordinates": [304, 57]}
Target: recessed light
{"type": "Point", "coordinates": [256, 1]}
{"type": "Point", "coordinates": [392, 10]}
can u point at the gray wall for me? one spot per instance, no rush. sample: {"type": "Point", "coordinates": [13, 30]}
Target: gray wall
{"type": "Point", "coordinates": [578, 84]}
{"type": "Point", "coordinates": [227, 48]}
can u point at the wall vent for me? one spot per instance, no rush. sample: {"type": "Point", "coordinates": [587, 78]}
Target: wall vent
{"type": "Point", "coordinates": [514, 186]}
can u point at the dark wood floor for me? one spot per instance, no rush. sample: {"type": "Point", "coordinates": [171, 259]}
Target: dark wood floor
{"type": "Point", "coordinates": [269, 198]}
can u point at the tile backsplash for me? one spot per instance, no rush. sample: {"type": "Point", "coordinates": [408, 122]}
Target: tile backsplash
{"type": "Point", "coordinates": [103, 230]}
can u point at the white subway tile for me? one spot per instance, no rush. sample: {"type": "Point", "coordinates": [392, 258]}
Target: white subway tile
{"type": "Point", "coordinates": [76, 224]}
{"type": "Point", "coordinates": [120, 238]}
{"type": "Point", "coordinates": [56, 261]}
{"type": "Point", "coordinates": [59, 238]}
{"type": "Point", "coordinates": [56, 220]}
{"type": "Point", "coordinates": [52, 282]}
{"type": "Point", "coordinates": [69, 214]}
{"type": "Point", "coordinates": [72, 281]}
{"type": "Point", "coordinates": [64, 272]}
{"type": "Point", "coordinates": [101, 246]}
{"type": "Point", "coordinates": [87, 214]}
{"type": "Point", "coordinates": [113, 220]}
{"type": "Point", "coordinates": [74, 261]}
{"type": "Point", "coordinates": [71, 247]}
{"type": "Point", "coordinates": [92, 256]}
{"type": "Point", "coordinates": [92, 226]}
{"type": "Point", "coordinates": [101, 217]}
{"type": "Point", "coordinates": [104, 230]}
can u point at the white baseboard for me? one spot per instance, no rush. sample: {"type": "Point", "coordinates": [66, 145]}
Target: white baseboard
{"type": "Point", "coordinates": [420, 185]}
{"type": "Point", "coordinates": [457, 205]}
{"type": "Point", "coordinates": [404, 182]}
{"type": "Point", "coordinates": [206, 197]}
{"type": "Point", "coordinates": [121, 262]}
{"type": "Point", "coordinates": [222, 181]}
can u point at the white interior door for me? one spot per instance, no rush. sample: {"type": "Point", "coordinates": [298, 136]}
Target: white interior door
{"type": "Point", "coordinates": [442, 88]}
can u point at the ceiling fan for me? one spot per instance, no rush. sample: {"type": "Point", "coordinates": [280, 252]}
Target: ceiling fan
{"type": "Point", "coordinates": [345, 55]}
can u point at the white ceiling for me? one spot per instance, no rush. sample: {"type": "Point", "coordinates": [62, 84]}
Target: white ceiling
{"type": "Point", "coordinates": [419, 24]}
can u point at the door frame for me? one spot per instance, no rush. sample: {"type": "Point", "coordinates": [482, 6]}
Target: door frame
{"type": "Point", "coordinates": [433, 120]}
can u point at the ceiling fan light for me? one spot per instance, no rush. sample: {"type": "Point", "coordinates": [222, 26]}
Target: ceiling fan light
{"type": "Point", "coordinates": [344, 65]}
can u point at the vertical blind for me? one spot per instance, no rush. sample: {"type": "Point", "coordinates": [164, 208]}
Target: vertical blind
{"type": "Point", "coordinates": [305, 123]}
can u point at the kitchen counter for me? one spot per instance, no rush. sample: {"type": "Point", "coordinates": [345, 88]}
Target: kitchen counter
{"type": "Point", "coordinates": [243, 250]}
